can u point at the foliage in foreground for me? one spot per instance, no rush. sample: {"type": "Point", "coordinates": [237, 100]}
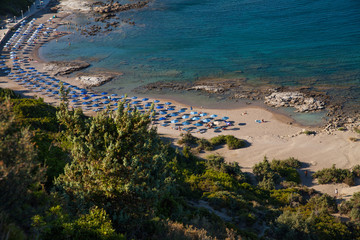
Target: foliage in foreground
{"type": "Point", "coordinates": [269, 174]}
{"type": "Point", "coordinates": [200, 198]}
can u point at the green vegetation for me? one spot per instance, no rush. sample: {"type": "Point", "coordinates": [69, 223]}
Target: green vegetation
{"type": "Point", "coordinates": [112, 177]}
{"type": "Point", "coordinates": [276, 172]}
{"type": "Point", "coordinates": [13, 7]}
{"type": "Point", "coordinates": [308, 132]}
{"type": "Point", "coordinates": [201, 144]}
{"type": "Point", "coordinates": [357, 129]}
{"type": "Point", "coordinates": [335, 175]}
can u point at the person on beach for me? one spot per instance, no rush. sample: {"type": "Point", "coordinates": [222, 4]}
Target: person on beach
{"type": "Point", "coordinates": [336, 192]}
{"type": "Point", "coordinates": [306, 173]}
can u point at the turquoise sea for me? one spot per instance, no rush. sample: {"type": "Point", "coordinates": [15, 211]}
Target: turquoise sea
{"type": "Point", "coordinates": [281, 42]}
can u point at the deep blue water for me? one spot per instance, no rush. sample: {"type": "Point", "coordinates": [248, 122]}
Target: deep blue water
{"type": "Point", "coordinates": [282, 42]}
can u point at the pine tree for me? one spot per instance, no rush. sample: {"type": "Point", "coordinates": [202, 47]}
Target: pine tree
{"type": "Point", "coordinates": [119, 164]}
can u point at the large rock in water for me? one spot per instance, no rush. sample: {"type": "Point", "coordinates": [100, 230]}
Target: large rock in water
{"type": "Point", "coordinates": [63, 68]}
{"type": "Point", "coordinates": [94, 80]}
{"type": "Point", "coordinates": [294, 99]}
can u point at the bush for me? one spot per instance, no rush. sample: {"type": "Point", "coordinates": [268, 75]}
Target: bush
{"type": "Point", "coordinates": [342, 129]}
{"type": "Point", "coordinates": [218, 140]}
{"type": "Point", "coordinates": [334, 175]}
{"type": "Point", "coordinates": [270, 174]}
{"type": "Point", "coordinates": [356, 170]}
{"type": "Point", "coordinates": [204, 144]}
{"type": "Point", "coordinates": [357, 129]}
{"type": "Point", "coordinates": [218, 163]}
{"type": "Point", "coordinates": [308, 132]}
{"type": "Point", "coordinates": [187, 139]}
{"type": "Point", "coordinates": [234, 143]}
{"type": "Point", "coordinates": [230, 140]}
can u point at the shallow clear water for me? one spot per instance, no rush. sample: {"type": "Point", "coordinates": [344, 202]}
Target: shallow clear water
{"type": "Point", "coordinates": [282, 42]}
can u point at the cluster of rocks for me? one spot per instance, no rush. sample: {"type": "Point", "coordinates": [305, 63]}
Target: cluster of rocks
{"type": "Point", "coordinates": [117, 7]}
{"type": "Point", "coordinates": [94, 80]}
{"type": "Point", "coordinates": [294, 99]}
{"type": "Point", "coordinates": [208, 89]}
{"type": "Point", "coordinates": [63, 67]}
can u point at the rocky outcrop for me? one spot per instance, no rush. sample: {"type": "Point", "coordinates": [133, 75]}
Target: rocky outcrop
{"type": "Point", "coordinates": [63, 68]}
{"type": "Point", "coordinates": [294, 99]}
{"type": "Point", "coordinates": [117, 7]}
{"type": "Point", "coordinates": [94, 80]}
{"type": "Point", "coordinates": [209, 89]}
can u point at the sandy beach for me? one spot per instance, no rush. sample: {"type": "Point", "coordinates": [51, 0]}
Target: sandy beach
{"type": "Point", "coordinates": [273, 138]}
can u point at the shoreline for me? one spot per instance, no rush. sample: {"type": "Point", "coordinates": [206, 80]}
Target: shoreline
{"type": "Point", "coordinates": [274, 137]}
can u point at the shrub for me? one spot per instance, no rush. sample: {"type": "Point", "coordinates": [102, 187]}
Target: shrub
{"type": "Point", "coordinates": [218, 163]}
{"type": "Point", "coordinates": [234, 143]}
{"type": "Point", "coordinates": [356, 170]}
{"type": "Point", "coordinates": [230, 140]}
{"type": "Point", "coordinates": [265, 171]}
{"type": "Point", "coordinates": [357, 129]}
{"type": "Point", "coordinates": [334, 175]}
{"type": "Point", "coordinates": [187, 139]}
{"type": "Point", "coordinates": [204, 144]}
{"type": "Point", "coordinates": [342, 129]}
{"type": "Point", "coordinates": [218, 140]}
{"type": "Point", "coordinates": [4, 92]}
{"type": "Point", "coordinates": [354, 139]}
{"type": "Point", "coordinates": [308, 132]}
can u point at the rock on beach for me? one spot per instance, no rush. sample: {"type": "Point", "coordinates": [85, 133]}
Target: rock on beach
{"type": "Point", "coordinates": [294, 99]}
{"type": "Point", "coordinates": [94, 80]}
{"type": "Point", "coordinates": [63, 68]}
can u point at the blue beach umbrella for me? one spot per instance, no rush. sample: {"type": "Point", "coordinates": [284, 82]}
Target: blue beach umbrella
{"type": "Point", "coordinates": [185, 117]}
{"type": "Point", "coordinates": [95, 105]}
{"type": "Point", "coordinates": [198, 124]}
{"type": "Point", "coordinates": [72, 92]}
{"type": "Point", "coordinates": [104, 97]}
{"type": "Point", "coordinates": [181, 110]}
{"type": "Point", "coordinates": [203, 114]}
{"type": "Point", "coordinates": [85, 98]}
{"type": "Point", "coordinates": [93, 95]}
{"type": "Point", "coordinates": [140, 108]}
{"type": "Point", "coordinates": [163, 112]}
{"type": "Point", "coordinates": [156, 101]}
{"type": "Point", "coordinates": [115, 104]}
{"type": "Point", "coordinates": [49, 90]}
{"type": "Point", "coordinates": [186, 123]}
{"type": "Point", "coordinates": [168, 103]}
{"type": "Point", "coordinates": [225, 118]}
{"type": "Point", "coordinates": [174, 121]}
{"type": "Point", "coordinates": [174, 114]}
{"type": "Point", "coordinates": [194, 113]}
{"type": "Point", "coordinates": [114, 95]}
{"type": "Point", "coordinates": [74, 96]}
{"type": "Point", "coordinates": [106, 102]}
{"type": "Point", "coordinates": [104, 93]}
{"type": "Point", "coordinates": [206, 120]}
{"type": "Point", "coordinates": [134, 97]}
{"type": "Point", "coordinates": [148, 105]}
{"type": "Point", "coordinates": [144, 99]}
{"type": "Point", "coordinates": [171, 109]}
{"type": "Point", "coordinates": [213, 116]}
{"type": "Point", "coordinates": [74, 101]}
{"type": "Point", "coordinates": [162, 118]}
{"type": "Point", "coordinates": [195, 118]}
{"type": "Point", "coordinates": [159, 107]}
